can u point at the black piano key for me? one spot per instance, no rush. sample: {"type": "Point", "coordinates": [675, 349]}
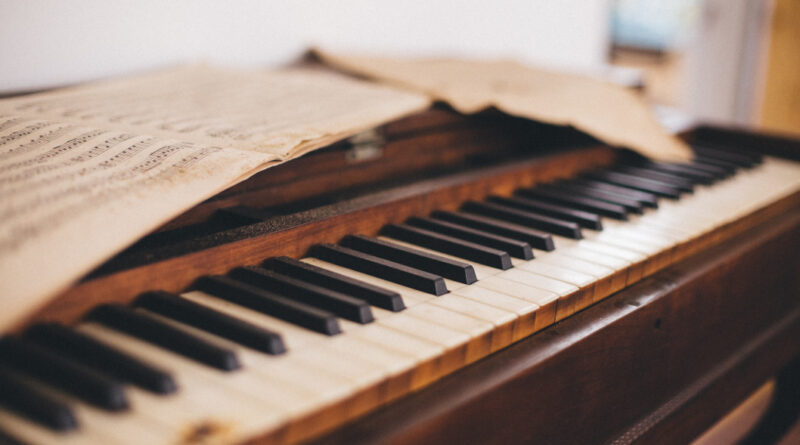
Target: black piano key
{"type": "Point", "coordinates": [381, 268]}
{"type": "Point", "coordinates": [447, 268]}
{"type": "Point", "coordinates": [269, 303]}
{"type": "Point", "coordinates": [342, 305]}
{"type": "Point", "coordinates": [525, 218]}
{"type": "Point", "coordinates": [514, 247]}
{"type": "Point", "coordinates": [646, 199]}
{"type": "Point", "coordinates": [63, 373]}
{"type": "Point", "coordinates": [102, 357]}
{"type": "Point", "coordinates": [730, 167]}
{"type": "Point", "coordinates": [583, 218]}
{"type": "Point", "coordinates": [682, 184]}
{"type": "Point", "coordinates": [594, 206]}
{"type": "Point", "coordinates": [374, 295]}
{"type": "Point", "coordinates": [19, 396]}
{"type": "Point", "coordinates": [537, 239]}
{"type": "Point", "coordinates": [744, 160]}
{"type": "Point", "coordinates": [682, 170]}
{"type": "Point", "coordinates": [159, 333]}
{"type": "Point", "coordinates": [207, 319]}
{"type": "Point", "coordinates": [718, 172]}
{"type": "Point", "coordinates": [487, 256]}
{"type": "Point", "coordinates": [630, 204]}
{"type": "Point", "coordinates": [635, 182]}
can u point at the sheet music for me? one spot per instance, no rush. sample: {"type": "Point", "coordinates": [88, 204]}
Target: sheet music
{"type": "Point", "coordinates": [611, 113]}
{"type": "Point", "coordinates": [85, 172]}
{"type": "Point", "coordinates": [277, 112]}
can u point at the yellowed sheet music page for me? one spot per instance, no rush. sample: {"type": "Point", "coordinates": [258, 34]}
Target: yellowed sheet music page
{"type": "Point", "coordinates": [87, 171]}
{"type": "Point", "coordinates": [279, 112]}
{"type": "Point", "coordinates": [611, 113]}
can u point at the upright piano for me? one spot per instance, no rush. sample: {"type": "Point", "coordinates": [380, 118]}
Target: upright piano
{"type": "Point", "coordinates": [440, 279]}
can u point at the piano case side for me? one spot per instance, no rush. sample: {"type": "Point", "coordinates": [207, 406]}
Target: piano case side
{"type": "Point", "coordinates": [656, 363]}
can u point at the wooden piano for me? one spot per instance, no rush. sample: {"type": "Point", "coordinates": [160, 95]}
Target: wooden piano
{"type": "Point", "coordinates": [442, 279]}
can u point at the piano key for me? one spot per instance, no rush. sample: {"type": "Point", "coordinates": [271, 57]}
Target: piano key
{"type": "Point", "coordinates": [738, 158]}
{"type": "Point", "coordinates": [379, 267]}
{"type": "Point", "coordinates": [594, 257]}
{"type": "Point", "coordinates": [635, 261]}
{"type": "Point", "coordinates": [69, 376]}
{"type": "Point", "coordinates": [353, 355]}
{"type": "Point", "coordinates": [683, 170]}
{"type": "Point", "coordinates": [8, 439]}
{"type": "Point", "coordinates": [584, 219]}
{"type": "Point", "coordinates": [608, 279]}
{"type": "Point", "coordinates": [594, 206]}
{"type": "Point", "coordinates": [559, 273]}
{"type": "Point", "coordinates": [657, 253]}
{"type": "Point", "coordinates": [376, 296]}
{"type": "Point", "coordinates": [546, 300]}
{"type": "Point", "coordinates": [514, 247]}
{"type": "Point", "coordinates": [102, 357]}
{"type": "Point", "coordinates": [231, 400]}
{"type": "Point", "coordinates": [471, 251]}
{"type": "Point", "coordinates": [460, 340]}
{"type": "Point", "coordinates": [630, 204]}
{"type": "Point", "coordinates": [479, 331]}
{"type": "Point", "coordinates": [136, 425]}
{"type": "Point", "coordinates": [342, 305]}
{"type": "Point", "coordinates": [239, 331]}
{"type": "Point", "coordinates": [269, 303]}
{"type": "Point", "coordinates": [524, 218]}
{"type": "Point", "coordinates": [139, 325]}
{"type": "Point", "coordinates": [379, 360]}
{"type": "Point", "coordinates": [454, 270]}
{"type": "Point", "coordinates": [537, 239]}
{"type": "Point", "coordinates": [474, 310]}
{"type": "Point", "coordinates": [717, 171]}
{"type": "Point", "coordinates": [526, 311]}
{"type": "Point", "coordinates": [30, 433]}
{"type": "Point", "coordinates": [635, 182]}
{"type": "Point", "coordinates": [730, 167]}
{"type": "Point", "coordinates": [682, 184]}
{"type": "Point", "coordinates": [646, 199]}
{"type": "Point", "coordinates": [568, 294]}
{"type": "Point", "coordinates": [286, 369]}
{"type": "Point", "coordinates": [480, 270]}
{"type": "Point", "coordinates": [25, 400]}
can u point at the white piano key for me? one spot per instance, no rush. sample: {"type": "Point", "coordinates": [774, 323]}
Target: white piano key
{"type": "Point", "coordinates": [313, 349]}
{"type": "Point", "coordinates": [131, 426]}
{"type": "Point", "coordinates": [232, 398]}
{"type": "Point", "coordinates": [525, 323]}
{"type": "Point", "coordinates": [33, 433]}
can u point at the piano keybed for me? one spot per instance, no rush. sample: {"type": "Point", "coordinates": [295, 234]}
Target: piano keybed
{"type": "Point", "coordinates": [287, 349]}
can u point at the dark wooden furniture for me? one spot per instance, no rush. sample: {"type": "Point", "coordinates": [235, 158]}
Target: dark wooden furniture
{"type": "Point", "coordinates": [658, 362]}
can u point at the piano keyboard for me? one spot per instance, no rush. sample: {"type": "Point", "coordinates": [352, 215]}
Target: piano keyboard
{"type": "Point", "coordinates": [260, 351]}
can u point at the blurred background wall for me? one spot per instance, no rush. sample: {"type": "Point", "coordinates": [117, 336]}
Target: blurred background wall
{"type": "Point", "coordinates": [725, 60]}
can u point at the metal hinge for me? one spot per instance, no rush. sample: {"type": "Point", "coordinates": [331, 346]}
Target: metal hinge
{"type": "Point", "coordinates": [365, 146]}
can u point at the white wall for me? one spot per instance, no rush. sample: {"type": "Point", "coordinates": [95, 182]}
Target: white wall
{"type": "Point", "coordinates": [727, 59]}
{"type": "Point", "coordinates": [55, 42]}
